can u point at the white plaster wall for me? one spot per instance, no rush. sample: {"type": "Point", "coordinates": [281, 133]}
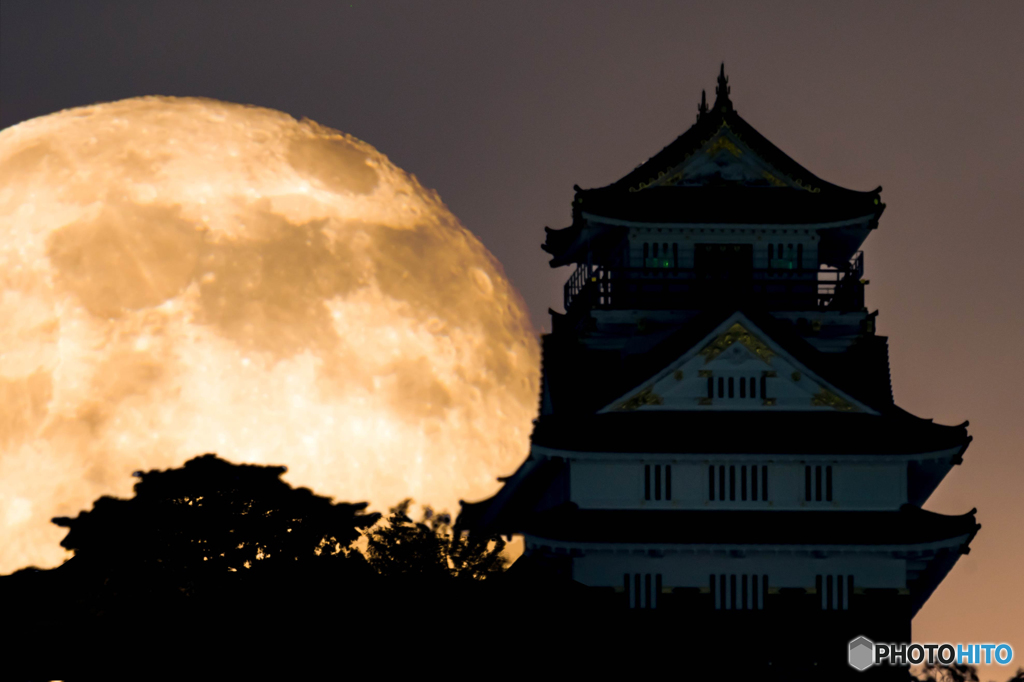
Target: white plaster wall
{"type": "Point", "coordinates": [606, 569]}
{"type": "Point", "coordinates": [866, 486]}
{"type": "Point", "coordinates": [855, 485]}
{"type": "Point", "coordinates": [599, 485]}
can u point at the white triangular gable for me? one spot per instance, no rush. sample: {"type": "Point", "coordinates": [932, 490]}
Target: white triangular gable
{"type": "Point", "coordinates": [725, 158]}
{"type": "Point", "coordinates": [737, 367]}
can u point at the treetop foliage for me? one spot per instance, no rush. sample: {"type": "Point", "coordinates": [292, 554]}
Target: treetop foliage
{"type": "Point", "coordinates": [214, 516]}
{"type": "Point", "coordinates": [211, 516]}
{"type": "Point", "coordinates": [431, 547]}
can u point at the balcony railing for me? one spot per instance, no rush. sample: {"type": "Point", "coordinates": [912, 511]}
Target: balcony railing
{"type": "Point", "coordinates": [600, 287]}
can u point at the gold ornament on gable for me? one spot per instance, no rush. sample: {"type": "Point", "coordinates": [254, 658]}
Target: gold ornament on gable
{"type": "Point", "coordinates": [725, 143]}
{"type": "Point", "coordinates": [737, 333]}
{"type": "Point", "coordinates": [827, 398]}
{"type": "Point", "coordinates": [645, 397]}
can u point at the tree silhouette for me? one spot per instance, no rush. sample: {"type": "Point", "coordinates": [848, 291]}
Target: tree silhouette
{"type": "Point", "coordinates": [955, 673]}
{"type": "Point", "coordinates": [431, 548]}
{"type": "Point", "coordinates": [211, 516]}
{"type": "Point", "coordinates": [958, 672]}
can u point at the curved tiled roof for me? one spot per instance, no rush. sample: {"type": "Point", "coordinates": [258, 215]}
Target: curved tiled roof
{"type": "Point", "coordinates": [907, 526]}
{"type": "Point", "coordinates": [790, 194]}
{"type": "Point", "coordinates": [762, 432]}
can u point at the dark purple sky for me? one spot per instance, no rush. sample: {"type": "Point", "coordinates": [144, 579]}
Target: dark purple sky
{"type": "Point", "coordinates": [502, 106]}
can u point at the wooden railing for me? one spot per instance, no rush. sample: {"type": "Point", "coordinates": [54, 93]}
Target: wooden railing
{"type": "Point", "coordinates": [599, 287]}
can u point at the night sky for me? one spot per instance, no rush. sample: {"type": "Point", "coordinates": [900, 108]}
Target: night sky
{"type": "Point", "coordinates": [502, 107]}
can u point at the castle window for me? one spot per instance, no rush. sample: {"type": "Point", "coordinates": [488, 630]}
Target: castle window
{"type": "Point", "coordinates": [817, 483]}
{"type": "Point", "coordinates": [800, 256]}
{"type": "Point", "coordinates": [834, 592]}
{"type": "Point", "coordinates": [738, 388]}
{"type": "Point", "coordinates": [645, 590]}
{"type": "Point", "coordinates": [675, 255]}
{"type": "Point", "coordinates": [738, 592]}
{"type": "Point", "coordinates": [771, 254]}
{"type": "Point", "coordinates": [748, 483]}
{"type": "Point", "coordinates": [657, 486]}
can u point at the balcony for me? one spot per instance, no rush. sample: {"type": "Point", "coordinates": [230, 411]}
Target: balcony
{"type": "Point", "coordinates": [665, 288]}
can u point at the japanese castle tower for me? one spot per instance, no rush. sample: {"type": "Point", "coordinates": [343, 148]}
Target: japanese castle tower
{"type": "Point", "coordinates": [717, 432]}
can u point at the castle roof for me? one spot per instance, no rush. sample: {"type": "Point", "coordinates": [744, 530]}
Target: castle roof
{"type": "Point", "coordinates": [907, 526]}
{"type": "Point", "coordinates": [574, 388]}
{"type": "Point", "coordinates": [720, 170]}
{"type": "Point", "coordinates": [757, 433]}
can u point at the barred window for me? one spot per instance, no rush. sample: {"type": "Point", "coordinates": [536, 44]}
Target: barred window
{"type": "Point", "coordinates": [643, 589]}
{"type": "Point", "coordinates": [658, 482]}
{"type": "Point", "coordinates": [813, 483]}
{"type": "Point", "coordinates": [752, 483]}
{"type": "Point", "coordinates": [834, 591]}
{"type": "Point", "coordinates": [738, 592]}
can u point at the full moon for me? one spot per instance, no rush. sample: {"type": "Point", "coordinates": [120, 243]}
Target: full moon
{"type": "Point", "coordinates": [184, 276]}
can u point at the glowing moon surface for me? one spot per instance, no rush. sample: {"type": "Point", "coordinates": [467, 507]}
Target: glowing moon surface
{"type": "Point", "coordinates": [184, 276]}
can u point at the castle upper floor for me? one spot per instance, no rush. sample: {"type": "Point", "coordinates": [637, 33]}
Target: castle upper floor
{"type": "Point", "coordinates": [719, 216]}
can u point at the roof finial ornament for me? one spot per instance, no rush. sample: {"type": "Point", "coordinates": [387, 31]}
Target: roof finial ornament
{"type": "Point", "coordinates": [722, 101]}
{"type": "Point", "coordinates": [702, 108]}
